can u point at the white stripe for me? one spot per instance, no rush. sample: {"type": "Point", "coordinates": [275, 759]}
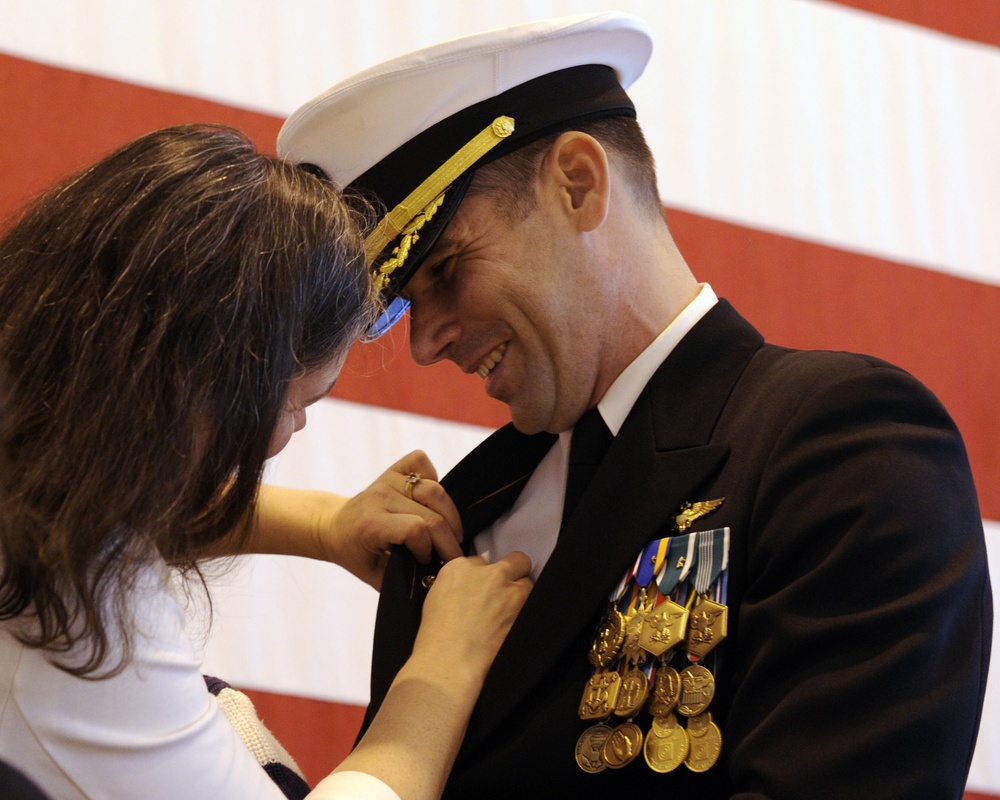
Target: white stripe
{"type": "Point", "coordinates": [832, 125]}
{"type": "Point", "coordinates": [802, 117]}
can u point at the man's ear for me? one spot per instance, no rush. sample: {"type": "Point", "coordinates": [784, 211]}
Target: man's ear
{"type": "Point", "coordinates": [576, 168]}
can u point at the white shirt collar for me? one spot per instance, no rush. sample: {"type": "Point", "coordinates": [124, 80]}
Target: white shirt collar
{"type": "Point", "coordinates": [622, 394]}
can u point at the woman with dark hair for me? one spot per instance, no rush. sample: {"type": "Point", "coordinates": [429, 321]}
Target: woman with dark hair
{"type": "Point", "coordinates": [166, 316]}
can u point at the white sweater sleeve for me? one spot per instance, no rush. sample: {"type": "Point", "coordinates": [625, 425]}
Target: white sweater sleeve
{"type": "Point", "coordinates": [152, 731]}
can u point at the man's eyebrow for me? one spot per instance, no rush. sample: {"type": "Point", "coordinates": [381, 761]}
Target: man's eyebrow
{"type": "Point", "coordinates": [442, 249]}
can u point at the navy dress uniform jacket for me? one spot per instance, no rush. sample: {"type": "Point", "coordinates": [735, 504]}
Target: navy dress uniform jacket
{"type": "Point", "coordinates": [860, 604]}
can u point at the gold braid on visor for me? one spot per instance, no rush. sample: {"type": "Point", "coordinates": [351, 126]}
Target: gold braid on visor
{"type": "Point", "coordinates": [420, 206]}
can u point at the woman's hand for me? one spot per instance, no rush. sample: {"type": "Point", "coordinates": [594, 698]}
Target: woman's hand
{"type": "Point", "coordinates": [391, 511]}
{"type": "Point", "coordinates": [357, 532]}
{"type": "Point", "coordinates": [469, 611]}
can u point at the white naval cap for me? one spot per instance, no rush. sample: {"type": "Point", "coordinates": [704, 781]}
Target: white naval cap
{"type": "Point", "coordinates": [408, 133]}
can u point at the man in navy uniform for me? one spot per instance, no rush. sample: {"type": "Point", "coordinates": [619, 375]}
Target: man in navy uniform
{"type": "Point", "coordinates": [772, 582]}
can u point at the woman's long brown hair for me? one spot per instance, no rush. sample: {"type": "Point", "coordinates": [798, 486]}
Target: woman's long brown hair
{"type": "Point", "coordinates": [153, 310]}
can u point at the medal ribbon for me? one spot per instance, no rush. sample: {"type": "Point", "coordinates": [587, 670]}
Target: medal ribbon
{"type": "Point", "coordinates": [647, 563]}
{"type": "Point", "coordinates": [691, 558]}
{"type": "Point", "coordinates": [713, 546]}
{"type": "Point", "coordinates": [675, 567]}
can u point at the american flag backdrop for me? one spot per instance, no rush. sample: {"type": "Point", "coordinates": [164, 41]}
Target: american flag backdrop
{"type": "Point", "coordinates": [833, 168]}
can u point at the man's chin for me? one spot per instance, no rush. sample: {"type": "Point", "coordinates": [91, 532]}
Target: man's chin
{"type": "Point", "coordinates": [526, 423]}
{"type": "Point", "coordinates": [530, 423]}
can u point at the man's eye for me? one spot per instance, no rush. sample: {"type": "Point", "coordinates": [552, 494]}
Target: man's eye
{"type": "Point", "coordinates": [443, 269]}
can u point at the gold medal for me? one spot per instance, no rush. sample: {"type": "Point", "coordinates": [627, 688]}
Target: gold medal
{"type": "Point", "coordinates": [663, 627]}
{"type": "Point", "coordinates": [631, 650]}
{"type": "Point", "coordinates": [664, 726]}
{"type": "Point", "coordinates": [623, 745]}
{"type": "Point", "coordinates": [706, 626]}
{"type": "Point", "coordinates": [632, 694]}
{"type": "Point", "coordinates": [697, 690]}
{"type": "Point", "coordinates": [667, 745]}
{"type": "Point", "coordinates": [666, 692]}
{"type": "Point", "coordinates": [705, 740]}
{"type": "Point", "coordinates": [600, 695]}
{"type": "Point", "coordinates": [609, 638]}
{"type": "Point", "coordinates": [590, 748]}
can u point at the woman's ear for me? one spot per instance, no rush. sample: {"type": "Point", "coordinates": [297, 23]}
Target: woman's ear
{"type": "Point", "coordinates": [576, 167]}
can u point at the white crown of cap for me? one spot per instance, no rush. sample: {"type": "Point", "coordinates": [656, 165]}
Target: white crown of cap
{"type": "Point", "coordinates": [355, 124]}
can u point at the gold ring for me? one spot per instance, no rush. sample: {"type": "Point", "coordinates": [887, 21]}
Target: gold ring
{"type": "Point", "coordinates": [411, 480]}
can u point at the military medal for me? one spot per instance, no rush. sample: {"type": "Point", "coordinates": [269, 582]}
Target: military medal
{"type": "Point", "coordinates": [705, 743]}
{"type": "Point", "coordinates": [706, 627]}
{"type": "Point", "coordinates": [663, 627]}
{"type": "Point", "coordinates": [623, 745]}
{"type": "Point", "coordinates": [590, 748]}
{"type": "Point", "coordinates": [600, 696]}
{"type": "Point", "coordinates": [667, 744]}
{"type": "Point", "coordinates": [675, 606]}
{"type": "Point", "coordinates": [666, 691]}
{"type": "Point", "coordinates": [697, 690]}
{"type": "Point", "coordinates": [631, 650]}
{"type": "Point", "coordinates": [632, 693]}
{"type": "Point", "coordinates": [608, 641]}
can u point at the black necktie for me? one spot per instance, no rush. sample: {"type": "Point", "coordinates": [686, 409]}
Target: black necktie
{"type": "Point", "coordinates": [590, 441]}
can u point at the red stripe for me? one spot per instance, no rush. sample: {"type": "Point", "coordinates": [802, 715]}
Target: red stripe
{"type": "Point", "coordinates": [316, 733]}
{"type": "Point", "coordinates": [977, 20]}
{"type": "Point", "coordinates": [939, 327]}
{"type": "Point", "coordinates": [58, 121]}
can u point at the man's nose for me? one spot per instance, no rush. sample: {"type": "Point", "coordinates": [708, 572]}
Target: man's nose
{"type": "Point", "coordinates": [432, 334]}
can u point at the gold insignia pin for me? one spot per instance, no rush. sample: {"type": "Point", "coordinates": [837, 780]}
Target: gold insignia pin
{"type": "Point", "coordinates": [691, 511]}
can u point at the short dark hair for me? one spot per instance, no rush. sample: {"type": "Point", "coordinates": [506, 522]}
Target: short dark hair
{"type": "Point", "coordinates": [506, 181]}
{"type": "Point", "coordinates": [154, 309]}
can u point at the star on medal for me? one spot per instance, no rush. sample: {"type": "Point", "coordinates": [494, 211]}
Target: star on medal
{"type": "Point", "coordinates": [631, 649]}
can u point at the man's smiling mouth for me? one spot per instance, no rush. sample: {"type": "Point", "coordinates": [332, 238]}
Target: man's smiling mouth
{"type": "Point", "coordinates": [489, 363]}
